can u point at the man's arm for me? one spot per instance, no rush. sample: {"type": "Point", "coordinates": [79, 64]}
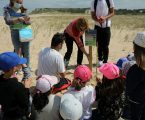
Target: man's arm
{"type": "Point", "coordinates": [94, 17]}
{"type": "Point", "coordinates": [111, 13]}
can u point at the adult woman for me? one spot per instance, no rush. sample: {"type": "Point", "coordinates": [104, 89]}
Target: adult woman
{"type": "Point", "coordinates": [74, 32]}
{"type": "Point", "coordinates": [15, 16]}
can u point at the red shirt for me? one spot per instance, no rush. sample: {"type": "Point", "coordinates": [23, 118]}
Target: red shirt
{"type": "Point", "coordinates": [75, 33]}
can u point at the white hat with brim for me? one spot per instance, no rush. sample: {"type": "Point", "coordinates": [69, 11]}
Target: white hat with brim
{"type": "Point", "coordinates": [140, 39]}
{"type": "Point", "coordinates": [70, 107]}
{"type": "Point", "coordinates": [45, 82]}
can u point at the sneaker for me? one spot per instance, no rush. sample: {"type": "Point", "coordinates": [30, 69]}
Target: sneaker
{"type": "Point", "coordinates": [100, 63]}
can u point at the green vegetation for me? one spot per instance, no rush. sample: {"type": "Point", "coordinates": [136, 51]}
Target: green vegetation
{"type": "Point", "coordinates": [87, 10]}
{"type": "Point", "coordinates": [63, 10]}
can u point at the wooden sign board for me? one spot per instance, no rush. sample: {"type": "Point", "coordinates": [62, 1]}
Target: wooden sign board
{"type": "Point", "coordinates": [90, 37]}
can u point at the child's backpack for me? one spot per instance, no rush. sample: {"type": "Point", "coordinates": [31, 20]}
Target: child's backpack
{"type": "Point", "coordinates": [63, 84]}
{"type": "Point", "coordinates": [96, 1]}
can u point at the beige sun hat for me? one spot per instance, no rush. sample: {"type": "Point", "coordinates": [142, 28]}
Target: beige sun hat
{"type": "Point", "coordinates": [140, 39]}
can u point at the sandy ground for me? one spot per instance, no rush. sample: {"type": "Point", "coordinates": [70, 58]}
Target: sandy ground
{"type": "Point", "coordinates": [44, 26]}
{"type": "Point", "coordinates": [123, 30]}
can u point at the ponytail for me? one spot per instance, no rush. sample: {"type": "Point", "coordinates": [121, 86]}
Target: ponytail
{"type": "Point", "coordinates": [77, 84]}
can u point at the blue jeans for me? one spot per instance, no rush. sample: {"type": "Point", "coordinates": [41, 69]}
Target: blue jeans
{"type": "Point", "coordinates": [24, 46]}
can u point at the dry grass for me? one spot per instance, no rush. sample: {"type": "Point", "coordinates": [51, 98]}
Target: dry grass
{"type": "Point", "coordinates": [44, 26]}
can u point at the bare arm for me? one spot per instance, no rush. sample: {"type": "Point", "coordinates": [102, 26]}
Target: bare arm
{"type": "Point", "coordinates": [94, 17]}
{"type": "Point", "coordinates": [11, 21]}
{"type": "Point", "coordinates": [111, 13]}
{"type": "Point", "coordinates": [83, 50]}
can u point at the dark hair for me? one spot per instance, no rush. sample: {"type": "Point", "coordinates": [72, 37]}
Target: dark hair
{"type": "Point", "coordinates": [77, 84]}
{"type": "Point", "coordinates": [40, 100]}
{"type": "Point", "coordinates": [139, 53]}
{"type": "Point", "coordinates": [57, 39]}
{"type": "Point", "coordinates": [111, 87]}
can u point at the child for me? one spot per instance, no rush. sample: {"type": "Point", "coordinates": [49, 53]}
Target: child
{"type": "Point", "coordinates": [73, 33]}
{"type": "Point", "coordinates": [84, 93]}
{"type": "Point", "coordinates": [109, 93]}
{"type": "Point", "coordinates": [125, 63]}
{"type": "Point", "coordinates": [70, 108]}
{"type": "Point", "coordinates": [46, 103]}
{"type": "Point", "coordinates": [43, 100]}
{"type": "Point", "coordinates": [14, 98]}
{"type": "Point", "coordinates": [121, 61]}
{"type": "Point", "coordinates": [135, 82]}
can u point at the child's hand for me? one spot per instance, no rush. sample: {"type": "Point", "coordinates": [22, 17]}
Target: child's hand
{"type": "Point", "coordinates": [27, 83]}
{"type": "Point", "coordinates": [98, 79]}
{"type": "Point", "coordinates": [99, 76]}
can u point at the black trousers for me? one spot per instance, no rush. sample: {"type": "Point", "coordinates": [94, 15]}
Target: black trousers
{"type": "Point", "coordinates": [69, 45]}
{"type": "Point", "coordinates": [103, 40]}
{"type": "Point", "coordinates": [137, 111]}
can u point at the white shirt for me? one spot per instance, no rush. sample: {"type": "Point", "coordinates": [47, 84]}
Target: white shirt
{"type": "Point", "coordinates": [50, 62]}
{"type": "Point", "coordinates": [51, 110]}
{"type": "Point", "coordinates": [102, 10]}
{"type": "Point", "coordinates": [86, 96]}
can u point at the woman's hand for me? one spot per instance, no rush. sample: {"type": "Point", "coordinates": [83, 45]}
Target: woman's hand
{"type": "Point", "coordinates": [21, 19]}
{"type": "Point", "coordinates": [25, 19]}
{"type": "Point", "coordinates": [88, 56]}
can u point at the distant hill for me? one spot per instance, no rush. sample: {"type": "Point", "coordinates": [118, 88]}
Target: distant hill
{"type": "Point", "coordinates": [66, 10]}
{"type": "Point", "coordinates": [87, 10]}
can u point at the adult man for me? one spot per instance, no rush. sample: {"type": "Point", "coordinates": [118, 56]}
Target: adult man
{"type": "Point", "coordinates": [101, 12]}
{"type": "Point", "coordinates": [50, 60]}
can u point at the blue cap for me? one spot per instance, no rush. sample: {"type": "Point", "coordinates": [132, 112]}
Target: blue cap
{"type": "Point", "coordinates": [131, 57]}
{"type": "Point", "coordinates": [8, 60]}
{"type": "Point", "coordinates": [121, 61]}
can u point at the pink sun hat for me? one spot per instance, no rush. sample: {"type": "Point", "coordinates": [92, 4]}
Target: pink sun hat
{"type": "Point", "coordinates": [83, 72]}
{"type": "Point", "coordinates": [110, 71]}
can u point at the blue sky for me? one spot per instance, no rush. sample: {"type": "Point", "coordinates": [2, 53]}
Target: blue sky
{"type": "Point", "coordinates": [32, 4]}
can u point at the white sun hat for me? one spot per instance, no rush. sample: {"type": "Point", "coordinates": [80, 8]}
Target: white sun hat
{"type": "Point", "coordinates": [70, 107]}
{"type": "Point", "coordinates": [45, 82]}
{"type": "Point", "coordinates": [140, 39]}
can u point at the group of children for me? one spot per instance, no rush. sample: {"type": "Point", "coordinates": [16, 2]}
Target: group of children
{"type": "Point", "coordinates": [120, 89]}
{"type": "Point", "coordinates": [57, 99]}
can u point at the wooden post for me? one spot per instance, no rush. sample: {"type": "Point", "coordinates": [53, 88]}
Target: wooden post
{"type": "Point", "coordinates": [96, 57]}
{"type": "Point", "coordinates": [90, 60]}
